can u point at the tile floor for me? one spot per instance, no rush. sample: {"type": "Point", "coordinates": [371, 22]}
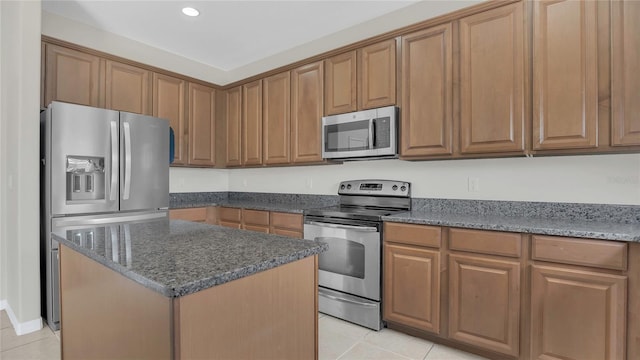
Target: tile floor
{"type": "Point", "coordinates": [338, 340]}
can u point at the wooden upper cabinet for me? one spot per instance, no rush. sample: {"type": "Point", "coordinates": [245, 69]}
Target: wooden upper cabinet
{"type": "Point", "coordinates": [276, 119]}
{"type": "Point", "coordinates": [625, 72]}
{"type": "Point", "coordinates": [484, 303]}
{"type": "Point", "coordinates": [565, 75]}
{"type": "Point", "coordinates": [201, 125]}
{"type": "Point", "coordinates": [427, 91]}
{"type": "Point", "coordinates": [127, 88]}
{"type": "Point", "coordinates": [412, 286]}
{"type": "Point", "coordinates": [340, 92]}
{"type": "Point", "coordinates": [71, 76]}
{"type": "Point", "coordinates": [377, 67]}
{"type": "Point", "coordinates": [169, 97]}
{"type": "Point", "coordinates": [492, 81]}
{"type": "Point", "coordinates": [577, 314]}
{"type": "Point", "coordinates": [252, 123]}
{"type": "Point", "coordinates": [307, 84]}
{"type": "Point", "coordinates": [234, 126]}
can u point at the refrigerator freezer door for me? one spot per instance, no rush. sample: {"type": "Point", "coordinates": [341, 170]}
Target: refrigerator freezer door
{"type": "Point", "coordinates": [83, 169]}
{"type": "Point", "coordinates": [144, 162]}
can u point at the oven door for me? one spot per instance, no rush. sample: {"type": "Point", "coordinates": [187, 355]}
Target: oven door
{"type": "Point", "coordinates": [352, 263]}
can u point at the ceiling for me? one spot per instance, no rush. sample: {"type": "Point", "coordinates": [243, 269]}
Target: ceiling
{"type": "Point", "coordinates": [227, 34]}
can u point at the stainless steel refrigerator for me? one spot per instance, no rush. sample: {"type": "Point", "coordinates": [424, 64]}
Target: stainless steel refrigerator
{"type": "Point", "coordinates": [99, 168]}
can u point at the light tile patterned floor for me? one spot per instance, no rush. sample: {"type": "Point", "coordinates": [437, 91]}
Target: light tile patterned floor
{"type": "Point", "coordinates": [339, 340]}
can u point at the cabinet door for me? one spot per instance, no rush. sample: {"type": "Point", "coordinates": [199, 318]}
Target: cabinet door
{"type": "Point", "coordinates": [625, 72]}
{"type": "Point", "coordinates": [276, 118]}
{"type": "Point", "coordinates": [340, 84]}
{"type": "Point", "coordinates": [128, 88]}
{"type": "Point", "coordinates": [377, 68]}
{"type": "Point", "coordinates": [484, 303]}
{"type": "Point", "coordinates": [71, 76]}
{"type": "Point", "coordinates": [412, 287]}
{"type": "Point", "coordinates": [234, 128]}
{"type": "Point", "coordinates": [169, 96]}
{"type": "Point", "coordinates": [230, 217]}
{"type": "Point", "coordinates": [427, 104]}
{"type": "Point", "coordinates": [306, 113]}
{"type": "Point", "coordinates": [201, 125]}
{"type": "Point", "coordinates": [252, 123]}
{"type": "Point", "coordinates": [492, 93]}
{"type": "Point", "coordinates": [565, 75]}
{"type": "Point", "coordinates": [577, 314]}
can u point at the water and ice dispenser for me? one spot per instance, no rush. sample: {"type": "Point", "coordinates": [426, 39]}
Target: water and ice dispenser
{"type": "Point", "coordinates": [85, 178]}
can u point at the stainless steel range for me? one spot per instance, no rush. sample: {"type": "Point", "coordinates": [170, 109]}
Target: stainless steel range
{"type": "Point", "coordinates": [350, 271]}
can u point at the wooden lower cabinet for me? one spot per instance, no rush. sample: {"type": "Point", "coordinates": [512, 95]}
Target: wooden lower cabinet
{"type": "Point", "coordinates": [255, 220]}
{"type": "Point", "coordinates": [286, 224]}
{"type": "Point", "coordinates": [484, 302]}
{"type": "Point", "coordinates": [412, 286]}
{"type": "Point", "coordinates": [577, 314]}
{"type": "Point", "coordinates": [200, 214]}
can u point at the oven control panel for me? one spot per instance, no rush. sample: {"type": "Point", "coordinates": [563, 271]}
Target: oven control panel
{"type": "Point", "coordinates": [375, 188]}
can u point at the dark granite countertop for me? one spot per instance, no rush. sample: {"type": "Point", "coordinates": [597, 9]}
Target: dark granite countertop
{"type": "Point", "coordinates": [294, 208]}
{"type": "Point", "coordinates": [177, 258]}
{"type": "Point", "coordinates": [289, 203]}
{"type": "Point", "coordinates": [544, 226]}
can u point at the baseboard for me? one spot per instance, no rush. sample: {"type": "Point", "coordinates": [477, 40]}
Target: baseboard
{"type": "Point", "coordinates": [24, 327]}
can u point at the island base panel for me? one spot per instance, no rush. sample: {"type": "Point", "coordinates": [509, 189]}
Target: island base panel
{"type": "Point", "coordinates": [271, 314]}
{"type": "Point", "coordinates": [107, 316]}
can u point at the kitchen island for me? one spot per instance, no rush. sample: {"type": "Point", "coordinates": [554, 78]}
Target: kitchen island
{"type": "Point", "coordinates": [176, 289]}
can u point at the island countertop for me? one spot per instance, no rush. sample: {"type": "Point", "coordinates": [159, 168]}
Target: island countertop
{"type": "Point", "coordinates": [177, 258]}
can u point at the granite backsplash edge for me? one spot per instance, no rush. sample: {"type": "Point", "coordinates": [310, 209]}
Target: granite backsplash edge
{"type": "Point", "coordinates": [625, 214]}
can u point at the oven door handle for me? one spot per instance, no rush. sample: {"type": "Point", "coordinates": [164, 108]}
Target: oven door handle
{"type": "Point", "coordinates": [345, 227]}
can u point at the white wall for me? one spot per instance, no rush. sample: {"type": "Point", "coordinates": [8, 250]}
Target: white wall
{"type": "Point", "coordinates": [20, 104]}
{"type": "Point", "coordinates": [606, 179]}
{"type": "Point", "coordinates": [3, 161]}
{"type": "Point", "coordinates": [197, 180]}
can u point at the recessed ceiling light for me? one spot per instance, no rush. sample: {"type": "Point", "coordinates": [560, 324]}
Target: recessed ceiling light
{"type": "Point", "coordinates": [189, 11]}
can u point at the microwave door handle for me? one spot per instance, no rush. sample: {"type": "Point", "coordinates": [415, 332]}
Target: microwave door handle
{"type": "Point", "coordinates": [371, 133]}
{"type": "Point", "coordinates": [114, 161]}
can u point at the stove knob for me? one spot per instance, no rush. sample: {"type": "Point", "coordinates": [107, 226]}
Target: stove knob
{"type": "Point", "coordinates": [349, 187]}
{"type": "Point", "coordinates": [342, 187]}
{"type": "Point", "coordinates": [394, 187]}
{"type": "Point", "coordinates": [403, 188]}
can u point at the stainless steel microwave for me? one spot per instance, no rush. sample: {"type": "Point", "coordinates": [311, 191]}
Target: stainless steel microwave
{"type": "Point", "coordinates": [361, 134]}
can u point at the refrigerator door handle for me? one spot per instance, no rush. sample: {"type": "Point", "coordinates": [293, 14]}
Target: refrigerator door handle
{"type": "Point", "coordinates": [114, 161]}
{"type": "Point", "coordinates": [127, 160]}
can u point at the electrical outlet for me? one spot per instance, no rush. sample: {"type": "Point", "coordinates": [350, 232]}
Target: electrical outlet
{"type": "Point", "coordinates": [245, 183]}
{"type": "Point", "coordinates": [473, 184]}
{"type": "Point", "coordinates": [309, 183]}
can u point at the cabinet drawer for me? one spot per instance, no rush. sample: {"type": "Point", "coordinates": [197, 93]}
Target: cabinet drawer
{"type": "Point", "coordinates": [486, 242]}
{"type": "Point", "coordinates": [421, 235]}
{"type": "Point", "coordinates": [286, 221]}
{"type": "Point", "coordinates": [192, 214]}
{"type": "Point", "coordinates": [593, 253]}
{"type": "Point", "coordinates": [255, 217]}
{"type": "Point", "coordinates": [230, 214]}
